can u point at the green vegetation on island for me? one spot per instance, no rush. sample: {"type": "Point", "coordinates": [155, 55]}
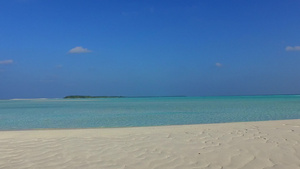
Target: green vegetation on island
{"type": "Point", "coordinates": [90, 97]}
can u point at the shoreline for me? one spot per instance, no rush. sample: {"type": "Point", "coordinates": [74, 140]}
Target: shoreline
{"type": "Point", "coordinates": [132, 127]}
{"type": "Point", "coordinates": [259, 144]}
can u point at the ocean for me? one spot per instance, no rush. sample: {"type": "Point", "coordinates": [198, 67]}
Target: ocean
{"type": "Point", "coordinates": [144, 111]}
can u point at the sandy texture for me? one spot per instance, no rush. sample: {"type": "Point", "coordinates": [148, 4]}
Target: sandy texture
{"type": "Point", "coordinates": [272, 144]}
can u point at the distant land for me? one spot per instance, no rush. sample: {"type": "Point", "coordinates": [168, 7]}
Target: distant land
{"type": "Point", "coordinates": [86, 97]}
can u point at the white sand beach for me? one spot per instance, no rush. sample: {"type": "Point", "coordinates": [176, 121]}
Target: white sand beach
{"type": "Point", "coordinates": [253, 145]}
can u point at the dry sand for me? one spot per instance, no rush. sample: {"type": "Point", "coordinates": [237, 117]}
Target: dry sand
{"type": "Point", "coordinates": [253, 145]}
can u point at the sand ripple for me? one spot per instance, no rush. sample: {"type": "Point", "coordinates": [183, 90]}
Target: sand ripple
{"type": "Point", "coordinates": [273, 144]}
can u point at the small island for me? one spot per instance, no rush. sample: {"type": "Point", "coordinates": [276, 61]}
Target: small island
{"type": "Point", "coordinates": [90, 97]}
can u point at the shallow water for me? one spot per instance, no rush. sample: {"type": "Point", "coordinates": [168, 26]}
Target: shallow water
{"type": "Point", "coordinates": [152, 111]}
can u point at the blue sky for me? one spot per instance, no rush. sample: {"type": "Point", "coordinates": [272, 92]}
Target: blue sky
{"type": "Point", "coordinates": [53, 48]}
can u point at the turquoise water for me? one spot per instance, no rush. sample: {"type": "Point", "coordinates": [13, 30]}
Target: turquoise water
{"type": "Point", "coordinates": [152, 111]}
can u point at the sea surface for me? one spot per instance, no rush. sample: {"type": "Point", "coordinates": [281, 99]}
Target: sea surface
{"type": "Point", "coordinates": [148, 111]}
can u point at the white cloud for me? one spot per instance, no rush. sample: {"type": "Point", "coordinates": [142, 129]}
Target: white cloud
{"type": "Point", "coordinates": [4, 62]}
{"type": "Point", "coordinates": [218, 64]}
{"type": "Point", "coordinates": [290, 48]}
{"type": "Point", "coordinates": [79, 49]}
